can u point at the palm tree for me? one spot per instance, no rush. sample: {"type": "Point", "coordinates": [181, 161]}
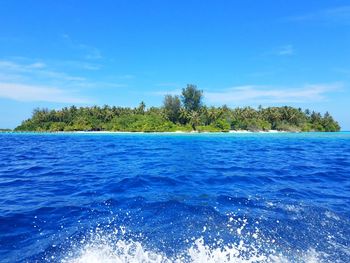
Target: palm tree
{"type": "Point", "coordinates": [194, 119]}
{"type": "Point", "coordinates": [141, 108]}
{"type": "Point", "coordinates": [184, 116]}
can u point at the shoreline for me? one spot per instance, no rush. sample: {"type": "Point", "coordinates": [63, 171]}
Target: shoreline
{"type": "Point", "coordinates": [173, 132]}
{"type": "Point", "coordinates": [167, 132]}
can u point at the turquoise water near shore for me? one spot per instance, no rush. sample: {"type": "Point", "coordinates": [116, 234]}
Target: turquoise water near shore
{"type": "Point", "coordinates": [255, 197]}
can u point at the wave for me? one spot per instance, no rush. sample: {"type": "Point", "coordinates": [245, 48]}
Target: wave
{"type": "Point", "coordinates": [104, 248]}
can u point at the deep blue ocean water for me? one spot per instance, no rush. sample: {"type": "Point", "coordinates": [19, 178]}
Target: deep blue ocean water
{"type": "Point", "coordinates": [175, 197]}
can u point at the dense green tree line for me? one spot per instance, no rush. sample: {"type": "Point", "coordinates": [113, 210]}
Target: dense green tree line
{"type": "Point", "coordinates": [178, 113]}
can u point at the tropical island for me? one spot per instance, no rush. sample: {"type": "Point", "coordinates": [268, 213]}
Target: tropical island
{"type": "Point", "coordinates": [178, 113]}
{"type": "Point", "coordinates": [5, 130]}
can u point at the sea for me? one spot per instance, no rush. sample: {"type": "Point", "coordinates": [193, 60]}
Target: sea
{"type": "Point", "coordinates": [133, 197]}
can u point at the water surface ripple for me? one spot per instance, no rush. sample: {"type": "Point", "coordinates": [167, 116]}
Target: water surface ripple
{"type": "Point", "coordinates": [175, 197]}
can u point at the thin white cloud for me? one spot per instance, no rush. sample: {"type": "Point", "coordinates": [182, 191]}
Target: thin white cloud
{"type": "Point", "coordinates": [126, 76]}
{"type": "Point", "coordinates": [36, 70]}
{"type": "Point", "coordinates": [19, 72]}
{"type": "Point", "coordinates": [91, 53]}
{"type": "Point", "coordinates": [10, 65]}
{"type": "Point", "coordinates": [287, 50]}
{"type": "Point", "coordinates": [37, 65]}
{"type": "Point", "coordinates": [23, 92]}
{"type": "Point", "coordinates": [338, 15]}
{"type": "Point", "coordinates": [267, 94]}
{"type": "Point", "coordinates": [76, 65]}
{"type": "Point", "coordinates": [90, 66]}
{"type": "Point", "coordinates": [169, 88]}
{"type": "Point", "coordinates": [167, 92]}
{"type": "Point", "coordinates": [61, 76]}
{"type": "Point", "coordinates": [40, 74]}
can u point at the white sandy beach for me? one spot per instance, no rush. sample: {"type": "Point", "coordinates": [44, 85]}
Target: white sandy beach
{"type": "Point", "coordinates": [174, 132]}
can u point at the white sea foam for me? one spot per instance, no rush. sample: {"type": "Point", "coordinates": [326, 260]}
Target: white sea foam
{"type": "Point", "coordinates": [121, 252]}
{"type": "Point", "coordinates": [101, 249]}
{"type": "Point", "coordinates": [134, 252]}
{"type": "Point", "coordinates": [331, 215]}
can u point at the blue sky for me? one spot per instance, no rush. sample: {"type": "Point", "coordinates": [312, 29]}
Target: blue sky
{"type": "Point", "coordinates": [240, 53]}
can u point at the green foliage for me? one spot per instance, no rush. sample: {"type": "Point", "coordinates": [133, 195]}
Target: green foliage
{"type": "Point", "coordinates": [285, 126]}
{"type": "Point", "coordinates": [208, 128]}
{"type": "Point", "coordinates": [172, 107]}
{"type": "Point", "coordinates": [194, 119]}
{"type": "Point", "coordinates": [252, 124]}
{"type": "Point", "coordinates": [141, 108]}
{"type": "Point", "coordinates": [222, 125]}
{"type": "Point", "coordinates": [143, 123]}
{"type": "Point", "coordinates": [192, 98]}
{"type": "Point", "coordinates": [57, 126]}
{"type": "Point", "coordinates": [176, 116]}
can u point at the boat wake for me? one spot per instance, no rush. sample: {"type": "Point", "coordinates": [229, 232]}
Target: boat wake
{"type": "Point", "coordinates": [103, 248]}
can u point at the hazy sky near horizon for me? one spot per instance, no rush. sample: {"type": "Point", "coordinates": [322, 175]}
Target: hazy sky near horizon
{"type": "Point", "coordinates": [240, 53]}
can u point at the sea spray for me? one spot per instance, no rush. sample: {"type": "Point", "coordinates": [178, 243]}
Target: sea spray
{"type": "Point", "coordinates": [105, 248]}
